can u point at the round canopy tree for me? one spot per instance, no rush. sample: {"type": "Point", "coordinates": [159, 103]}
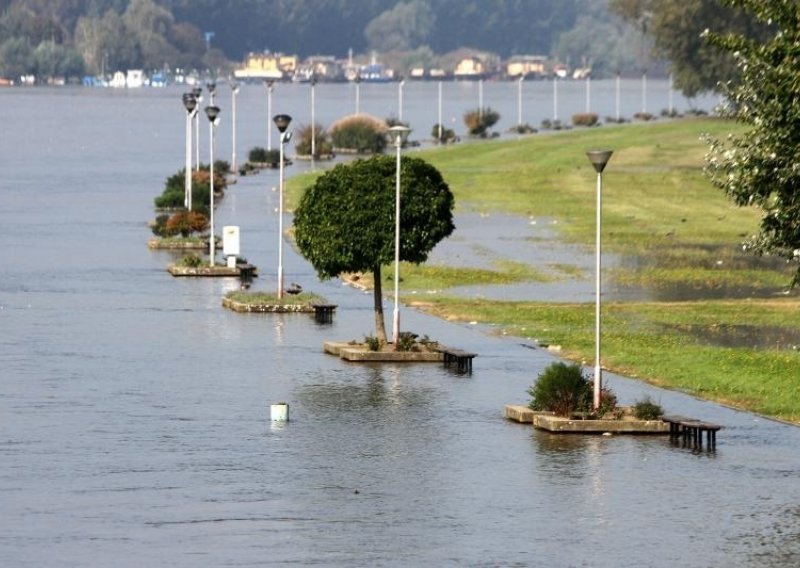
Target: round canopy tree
{"type": "Point", "coordinates": [345, 221]}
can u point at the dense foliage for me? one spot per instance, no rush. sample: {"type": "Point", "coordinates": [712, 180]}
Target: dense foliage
{"type": "Point", "coordinates": [345, 221]}
{"type": "Point", "coordinates": [98, 36]}
{"type": "Point", "coordinates": [563, 389]}
{"type": "Point", "coordinates": [676, 26]}
{"type": "Point", "coordinates": [760, 166]}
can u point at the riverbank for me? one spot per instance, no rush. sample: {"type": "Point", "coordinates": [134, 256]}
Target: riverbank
{"type": "Point", "coordinates": [691, 311]}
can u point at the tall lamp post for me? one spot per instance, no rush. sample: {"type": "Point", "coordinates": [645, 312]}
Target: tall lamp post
{"type": "Point", "coordinates": [313, 83]}
{"type": "Point", "coordinates": [198, 96]}
{"type": "Point", "coordinates": [282, 122]}
{"type": "Point", "coordinates": [599, 159]}
{"type": "Point", "coordinates": [398, 134]}
{"type": "Point", "coordinates": [190, 104]}
{"type": "Point", "coordinates": [358, 93]}
{"type": "Point", "coordinates": [441, 126]}
{"type": "Point", "coordinates": [519, 99]}
{"type": "Point", "coordinates": [400, 98]}
{"type": "Point", "coordinates": [212, 112]}
{"type": "Point", "coordinates": [269, 84]}
{"type": "Point", "coordinates": [234, 92]}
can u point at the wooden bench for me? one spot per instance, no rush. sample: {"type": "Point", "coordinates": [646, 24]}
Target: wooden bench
{"type": "Point", "coordinates": [461, 359]}
{"type": "Point", "coordinates": [323, 313]}
{"type": "Point", "coordinates": [690, 431]}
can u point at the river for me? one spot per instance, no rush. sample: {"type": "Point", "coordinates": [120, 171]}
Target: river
{"type": "Point", "coordinates": [134, 410]}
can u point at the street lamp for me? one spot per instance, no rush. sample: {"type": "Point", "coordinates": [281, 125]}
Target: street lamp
{"type": "Point", "coordinates": [212, 112]}
{"type": "Point", "coordinates": [358, 92]}
{"type": "Point", "coordinates": [198, 96]}
{"type": "Point", "coordinates": [313, 83]}
{"type": "Point", "coordinates": [234, 92]}
{"type": "Point", "coordinates": [190, 104]}
{"type": "Point", "coordinates": [441, 126]}
{"type": "Point", "coordinates": [519, 100]}
{"type": "Point", "coordinates": [400, 98]}
{"type": "Point", "coordinates": [398, 134]}
{"type": "Point", "coordinates": [212, 89]}
{"type": "Point", "coordinates": [282, 122]}
{"type": "Point", "coordinates": [269, 84]}
{"type": "Point", "coordinates": [599, 159]}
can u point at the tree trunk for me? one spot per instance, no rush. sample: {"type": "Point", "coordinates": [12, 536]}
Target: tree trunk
{"type": "Point", "coordinates": [377, 294]}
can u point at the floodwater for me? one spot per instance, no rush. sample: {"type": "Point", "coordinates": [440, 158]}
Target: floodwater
{"type": "Point", "coordinates": [134, 410]}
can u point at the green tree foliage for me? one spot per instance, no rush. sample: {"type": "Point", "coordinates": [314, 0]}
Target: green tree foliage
{"type": "Point", "coordinates": [345, 221]}
{"type": "Point", "coordinates": [676, 27]}
{"type": "Point", "coordinates": [402, 28]}
{"type": "Point", "coordinates": [759, 167]}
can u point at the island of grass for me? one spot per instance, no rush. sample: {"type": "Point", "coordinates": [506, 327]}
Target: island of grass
{"type": "Point", "coordinates": [267, 302]}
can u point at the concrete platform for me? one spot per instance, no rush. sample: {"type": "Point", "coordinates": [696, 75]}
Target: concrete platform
{"type": "Point", "coordinates": [241, 307]}
{"type": "Point", "coordinates": [360, 353]}
{"type": "Point", "coordinates": [206, 271]}
{"type": "Point", "coordinates": [551, 423]}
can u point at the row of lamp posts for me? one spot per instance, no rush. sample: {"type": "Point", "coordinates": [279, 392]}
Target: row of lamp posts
{"type": "Point", "coordinates": [398, 136]}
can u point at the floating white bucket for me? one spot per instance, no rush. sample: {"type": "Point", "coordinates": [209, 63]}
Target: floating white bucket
{"type": "Point", "coordinates": [279, 412]}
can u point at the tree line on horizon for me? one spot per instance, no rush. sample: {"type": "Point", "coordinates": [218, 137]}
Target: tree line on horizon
{"type": "Point", "coordinates": [71, 38]}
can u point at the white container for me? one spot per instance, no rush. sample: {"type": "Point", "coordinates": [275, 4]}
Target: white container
{"type": "Point", "coordinates": [279, 412]}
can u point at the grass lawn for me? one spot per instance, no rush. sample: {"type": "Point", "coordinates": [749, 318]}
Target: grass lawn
{"type": "Point", "coordinates": [659, 209]}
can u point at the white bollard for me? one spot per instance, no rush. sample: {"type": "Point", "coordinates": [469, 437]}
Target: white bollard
{"type": "Point", "coordinates": [279, 412]}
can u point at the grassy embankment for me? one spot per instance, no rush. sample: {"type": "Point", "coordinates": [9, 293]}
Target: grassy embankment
{"type": "Point", "coordinates": [658, 208]}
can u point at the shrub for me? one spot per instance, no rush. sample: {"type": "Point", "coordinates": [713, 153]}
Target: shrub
{"type": "Point", "coordinates": [191, 261]}
{"type": "Point", "coordinates": [563, 389]}
{"type": "Point", "coordinates": [406, 341]}
{"type": "Point", "coordinates": [584, 119]}
{"type": "Point", "coordinates": [322, 146]}
{"type": "Point", "coordinates": [448, 135]}
{"type": "Point", "coordinates": [643, 116]}
{"type": "Point", "coordinates": [522, 129]}
{"type": "Point", "coordinates": [646, 409]}
{"type": "Point", "coordinates": [260, 155]}
{"type": "Point", "coordinates": [359, 133]}
{"type": "Point", "coordinates": [185, 223]}
{"type": "Point", "coordinates": [479, 121]}
{"type": "Point", "coordinates": [159, 225]}
{"type": "Point", "coordinates": [373, 343]}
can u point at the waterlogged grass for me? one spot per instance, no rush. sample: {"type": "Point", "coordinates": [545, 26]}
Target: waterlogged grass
{"type": "Point", "coordinates": [636, 344]}
{"type": "Point", "coordinates": [271, 299]}
{"type": "Point", "coordinates": [430, 278]}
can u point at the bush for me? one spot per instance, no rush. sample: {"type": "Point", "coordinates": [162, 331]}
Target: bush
{"type": "Point", "coordinates": [186, 223]}
{"type": "Point", "coordinates": [174, 189]}
{"type": "Point", "coordinates": [646, 409]}
{"type": "Point", "coordinates": [563, 389]}
{"type": "Point", "coordinates": [522, 129]}
{"type": "Point", "coordinates": [359, 133]}
{"type": "Point", "coordinates": [260, 155]}
{"type": "Point", "coordinates": [584, 119]}
{"type": "Point", "coordinates": [373, 343]}
{"type": "Point", "coordinates": [190, 261]}
{"type": "Point", "coordinates": [643, 116]}
{"type": "Point", "coordinates": [448, 135]}
{"type": "Point", "coordinates": [322, 146]}
{"type": "Point", "coordinates": [479, 121]}
{"type": "Point", "coordinates": [406, 341]}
